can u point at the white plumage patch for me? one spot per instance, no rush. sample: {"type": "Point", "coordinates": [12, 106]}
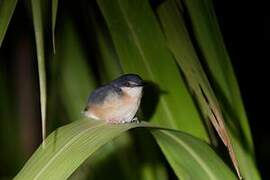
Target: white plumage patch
{"type": "Point", "coordinates": [91, 115]}
{"type": "Point", "coordinates": [133, 91]}
{"type": "Point", "coordinates": [131, 107]}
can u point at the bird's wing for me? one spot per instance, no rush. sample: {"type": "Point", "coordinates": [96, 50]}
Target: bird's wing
{"type": "Point", "coordinates": [103, 94]}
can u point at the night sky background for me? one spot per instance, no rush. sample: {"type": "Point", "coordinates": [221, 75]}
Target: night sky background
{"type": "Point", "coordinates": [245, 29]}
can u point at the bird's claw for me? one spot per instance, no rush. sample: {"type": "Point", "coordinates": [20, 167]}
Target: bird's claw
{"type": "Point", "coordinates": [135, 120]}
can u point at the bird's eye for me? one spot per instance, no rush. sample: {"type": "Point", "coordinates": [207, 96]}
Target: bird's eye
{"type": "Point", "coordinates": [127, 84]}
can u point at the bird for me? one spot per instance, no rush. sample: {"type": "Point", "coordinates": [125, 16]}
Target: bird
{"type": "Point", "coordinates": [116, 102]}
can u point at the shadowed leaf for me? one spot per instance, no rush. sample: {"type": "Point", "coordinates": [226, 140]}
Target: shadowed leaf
{"type": "Point", "coordinates": [76, 80]}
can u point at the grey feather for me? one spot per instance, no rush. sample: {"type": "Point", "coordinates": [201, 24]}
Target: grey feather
{"type": "Point", "coordinates": [100, 94]}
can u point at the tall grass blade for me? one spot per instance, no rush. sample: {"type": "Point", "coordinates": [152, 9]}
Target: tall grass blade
{"type": "Point", "coordinates": [141, 48]}
{"type": "Point", "coordinates": [67, 148]}
{"type": "Point", "coordinates": [6, 11]}
{"type": "Point", "coordinates": [182, 48]}
{"type": "Point", "coordinates": [37, 18]}
{"type": "Point", "coordinates": [54, 15]}
{"type": "Point", "coordinates": [212, 47]}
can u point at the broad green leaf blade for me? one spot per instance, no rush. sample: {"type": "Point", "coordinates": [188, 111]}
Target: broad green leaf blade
{"type": "Point", "coordinates": [141, 48]}
{"type": "Point", "coordinates": [69, 146]}
{"type": "Point", "coordinates": [37, 18]}
{"type": "Point", "coordinates": [54, 14]}
{"type": "Point", "coordinates": [182, 48]}
{"type": "Point", "coordinates": [7, 8]}
{"type": "Point", "coordinates": [191, 158]}
{"type": "Point", "coordinates": [203, 21]}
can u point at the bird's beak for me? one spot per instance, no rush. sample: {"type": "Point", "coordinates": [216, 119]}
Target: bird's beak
{"type": "Point", "coordinates": [140, 85]}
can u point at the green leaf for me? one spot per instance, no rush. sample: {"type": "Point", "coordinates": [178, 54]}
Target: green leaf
{"type": "Point", "coordinates": [210, 42]}
{"type": "Point", "coordinates": [141, 48]}
{"type": "Point", "coordinates": [182, 48]}
{"type": "Point", "coordinates": [37, 18]}
{"type": "Point", "coordinates": [69, 146]}
{"type": "Point", "coordinates": [54, 14]}
{"type": "Point", "coordinates": [7, 8]}
{"type": "Point", "coordinates": [191, 158]}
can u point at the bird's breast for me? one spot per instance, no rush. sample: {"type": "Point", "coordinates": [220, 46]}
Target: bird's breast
{"type": "Point", "coordinates": [114, 109]}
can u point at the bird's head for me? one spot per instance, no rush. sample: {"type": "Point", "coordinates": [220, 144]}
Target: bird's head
{"type": "Point", "coordinates": [132, 84]}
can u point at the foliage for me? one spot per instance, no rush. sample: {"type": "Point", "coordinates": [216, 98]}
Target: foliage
{"type": "Point", "coordinates": [101, 40]}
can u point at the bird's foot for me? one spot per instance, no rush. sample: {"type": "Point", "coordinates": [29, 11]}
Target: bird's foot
{"type": "Point", "coordinates": [135, 120]}
{"type": "Point", "coordinates": [116, 121]}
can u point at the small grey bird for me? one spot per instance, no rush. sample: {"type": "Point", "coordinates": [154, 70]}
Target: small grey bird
{"type": "Point", "coordinates": [116, 102]}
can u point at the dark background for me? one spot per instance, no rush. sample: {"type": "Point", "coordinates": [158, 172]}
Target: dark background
{"type": "Point", "coordinates": [245, 29]}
